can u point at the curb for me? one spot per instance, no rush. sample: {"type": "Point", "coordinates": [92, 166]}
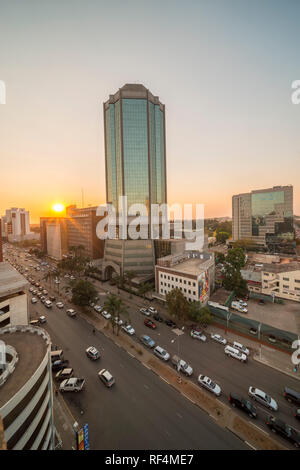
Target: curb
{"type": "Point", "coordinates": [276, 368]}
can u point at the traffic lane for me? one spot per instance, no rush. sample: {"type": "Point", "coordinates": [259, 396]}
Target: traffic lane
{"type": "Point", "coordinates": [136, 394]}
{"type": "Point", "coordinates": [211, 356]}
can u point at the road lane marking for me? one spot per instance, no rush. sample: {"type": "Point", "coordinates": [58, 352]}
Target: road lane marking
{"type": "Point", "coordinates": [257, 427]}
{"type": "Point", "coordinates": [246, 442]}
{"type": "Point", "coordinates": [179, 415]}
{"type": "Point", "coordinates": [164, 380]}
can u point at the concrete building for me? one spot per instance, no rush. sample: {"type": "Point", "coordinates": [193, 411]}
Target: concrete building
{"type": "Point", "coordinates": [1, 246]}
{"type": "Point", "coordinates": [16, 225]}
{"type": "Point", "coordinates": [82, 224]}
{"type": "Point", "coordinates": [265, 217]}
{"type": "Point", "coordinates": [54, 236]}
{"type": "Point", "coordinates": [26, 397]}
{"type": "Point", "coordinates": [13, 297]}
{"type": "Point", "coordinates": [193, 273]}
{"type": "Point", "coordinates": [279, 279]}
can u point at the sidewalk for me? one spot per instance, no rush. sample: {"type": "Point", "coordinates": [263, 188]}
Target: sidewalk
{"type": "Point", "coordinates": [63, 421]}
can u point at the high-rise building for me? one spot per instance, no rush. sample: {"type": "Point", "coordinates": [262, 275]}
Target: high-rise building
{"type": "Point", "coordinates": [16, 225]}
{"type": "Point", "coordinates": [265, 217]}
{"type": "Point", "coordinates": [54, 236]}
{"type": "Point", "coordinates": [135, 147]}
{"type": "Point", "coordinates": [135, 162]}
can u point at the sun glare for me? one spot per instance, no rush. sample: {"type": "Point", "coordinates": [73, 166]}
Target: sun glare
{"type": "Point", "coordinates": [58, 207]}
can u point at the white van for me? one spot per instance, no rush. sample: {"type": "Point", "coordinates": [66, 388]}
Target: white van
{"type": "Point", "coordinates": [237, 306]}
{"type": "Point", "coordinates": [241, 348]}
{"type": "Point", "coordinates": [232, 352]}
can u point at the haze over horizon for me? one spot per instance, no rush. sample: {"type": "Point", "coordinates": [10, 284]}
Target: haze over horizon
{"type": "Point", "coordinates": [224, 73]}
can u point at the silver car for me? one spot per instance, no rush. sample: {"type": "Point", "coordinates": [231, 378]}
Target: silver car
{"type": "Point", "coordinates": [262, 398]}
{"type": "Point", "coordinates": [207, 383]}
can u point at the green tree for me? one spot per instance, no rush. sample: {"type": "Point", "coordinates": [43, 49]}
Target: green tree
{"type": "Point", "coordinates": [222, 237]}
{"type": "Point", "coordinates": [219, 257]}
{"type": "Point", "coordinates": [116, 307]}
{"type": "Point", "coordinates": [83, 293]}
{"type": "Point", "coordinates": [177, 304]}
{"type": "Point", "coordinates": [236, 258]}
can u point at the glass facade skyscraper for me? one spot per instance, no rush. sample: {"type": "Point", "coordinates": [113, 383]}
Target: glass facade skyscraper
{"type": "Point", "coordinates": [135, 147]}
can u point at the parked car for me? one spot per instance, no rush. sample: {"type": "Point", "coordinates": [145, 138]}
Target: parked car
{"type": "Point", "coordinates": [218, 338]}
{"type": "Point", "coordinates": [34, 322]}
{"type": "Point", "coordinates": [42, 319]}
{"type": "Point", "coordinates": [145, 311]}
{"type": "Point", "coordinates": [262, 398]}
{"type": "Point", "coordinates": [235, 353]}
{"type": "Point", "coordinates": [59, 364]}
{"type": "Point", "coordinates": [147, 341]}
{"type": "Point", "coordinates": [198, 335]}
{"type": "Point", "coordinates": [207, 383]}
{"type": "Point", "coordinates": [152, 310]}
{"type": "Point", "coordinates": [59, 305]}
{"type": "Point", "coordinates": [242, 303]}
{"type": "Point", "coordinates": [48, 304]}
{"type": "Point", "coordinates": [118, 321]}
{"type": "Point", "coordinates": [181, 365]}
{"type": "Point", "coordinates": [105, 314]}
{"type": "Point", "coordinates": [106, 377]}
{"type": "Point", "coordinates": [278, 426]}
{"type": "Point", "coordinates": [72, 385]}
{"type": "Point", "coordinates": [128, 329]}
{"type": "Point", "coordinates": [161, 353]}
{"type": "Point", "coordinates": [52, 298]}
{"type": "Point", "coordinates": [291, 396]}
{"type": "Point", "coordinates": [297, 414]}
{"type": "Point", "coordinates": [149, 323]}
{"type": "Point", "coordinates": [71, 312]}
{"type": "Point", "coordinates": [242, 404]}
{"type": "Point", "coordinates": [34, 300]}
{"type": "Point", "coordinates": [64, 374]}
{"type": "Point", "coordinates": [97, 308]}
{"type": "Point", "coordinates": [170, 323]}
{"type": "Point", "coordinates": [158, 318]}
{"type": "Point", "coordinates": [241, 348]}
{"type": "Point", "coordinates": [92, 353]}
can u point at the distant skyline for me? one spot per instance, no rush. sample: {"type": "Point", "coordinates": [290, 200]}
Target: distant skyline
{"type": "Point", "coordinates": [223, 69]}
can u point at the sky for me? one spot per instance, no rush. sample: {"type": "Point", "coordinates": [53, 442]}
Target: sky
{"type": "Point", "coordinates": [223, 68]}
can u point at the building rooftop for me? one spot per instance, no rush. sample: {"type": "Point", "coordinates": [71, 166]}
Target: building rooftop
{"type": "Point", "coordinates": [11, 281]}
{"type": "Point", "coordinates": [31, 349]}
{"type": "Point", "coordinates": [187, 263]}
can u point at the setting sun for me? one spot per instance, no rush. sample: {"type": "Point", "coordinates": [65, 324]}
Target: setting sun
{"type": "Point", "coordinates": [58, 207]}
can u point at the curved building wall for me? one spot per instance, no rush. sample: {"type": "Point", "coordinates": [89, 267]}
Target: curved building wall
{"type": "Point", "coordinates": [28, 414]}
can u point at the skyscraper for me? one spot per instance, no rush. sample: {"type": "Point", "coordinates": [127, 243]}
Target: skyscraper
{"type": "Point", "coordinates": [135, 147]}
{"type": "Point", "coordinates": [265, 217]}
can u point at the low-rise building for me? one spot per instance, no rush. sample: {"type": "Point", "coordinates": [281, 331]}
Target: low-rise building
{"type": "Point", "coordinates": [280, 279]}
{"type": "Point", "coordinates": [13, 297]}
{"type": "Point", "coordinates": [193, 273]}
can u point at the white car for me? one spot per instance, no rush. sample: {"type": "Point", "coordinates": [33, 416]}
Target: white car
{"type": "Point", "coordinates": [97, 308]}
{"type": "Point", "coordinates": [59, 305]}
{"type": "Point", "coordinates": [128, 329]}
{"type": "Point", "coordinates": [71, 312]}
{"type": "Point", "coordinates": [92, 353]}
{"type": "Point", "coordinates": [262, 398]}
{"type": "Point", "coordinates": [106, 377]}
{"type": "Point", "coordinates": [218, 338]}
{"type": "Point", "coordinates": [118, 322]}
{"type": "Point", "coordinates": [241, 348]}
{"type": "Point", "coordinates": [235, 353]}
{"type": "Point", "coordinates": [31, 289]}
{"type": "Point", "coordinates": [48, 303]}
{"type": "Point", "coordinates": [152, 310]}
{"type": "Point", "coordinates": [242, 303]}
{"type": "Point", "coordinates": [207, 383]}
{"type": "Point", "coordinates": [145, 311]}
{"type": "Point", "coordinates": [34, 300]}
{"type": "Point", "coordinates": [105, 314]}
{"type": "Point", "coordinates": [161, 353]}
{"type": "Point", "coordinates": [198, 335]}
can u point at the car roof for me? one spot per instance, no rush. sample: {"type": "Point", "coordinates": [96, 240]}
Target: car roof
{"type": "Point", "coordinates": [290, 391]}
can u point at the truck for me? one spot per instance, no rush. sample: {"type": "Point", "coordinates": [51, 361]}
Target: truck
{"type": "Point", "coordinates": [181, 365]}
{"type": "Point", "coordinates": [72, 385]}
{"type": "Point", "coordinates": [216, 305]}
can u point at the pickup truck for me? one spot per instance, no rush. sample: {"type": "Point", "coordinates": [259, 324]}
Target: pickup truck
{"type": "Point", "coordinates": [182, 366]}
{"type": "Point", "coordinates": [72, 385]}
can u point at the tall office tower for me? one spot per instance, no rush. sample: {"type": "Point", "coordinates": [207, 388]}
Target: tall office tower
{"type": "Point", "coordinates": [265, 217]}
{"type": "Point", "coordinates": [17, 225]}
{"type": "Point", "coordinates": [135, 162]}
{"type": "Point", "coordinates": [1, 252]}
{"type": "Point", "coordinates": [135, 147]}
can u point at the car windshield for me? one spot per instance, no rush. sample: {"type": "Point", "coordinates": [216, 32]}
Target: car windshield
{"type": "Point", "coordinates": [268, 399]}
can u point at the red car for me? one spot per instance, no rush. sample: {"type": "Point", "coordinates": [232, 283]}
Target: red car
{"type": "Point", "coordinates": [150, 323]}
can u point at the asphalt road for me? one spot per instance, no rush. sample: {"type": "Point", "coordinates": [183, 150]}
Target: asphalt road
{"type": "Point", "coordinates": [140, 411]}
{"type": "Point", "coordinates": [207, 358]}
